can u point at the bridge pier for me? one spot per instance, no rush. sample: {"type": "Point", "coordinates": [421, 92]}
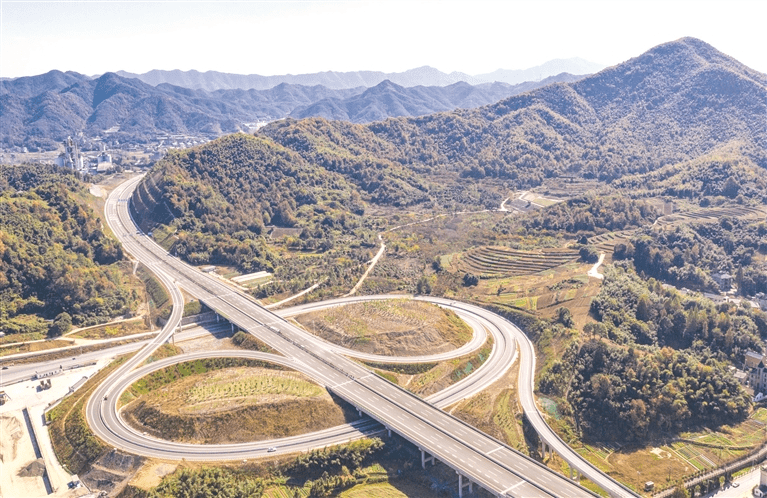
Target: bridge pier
{"type": "Point", "coordinates": [388, 430]}
{"type": "Point", "coordinates": [575, 475]}
{"type": "Point", "coordinates": [461, 485]}
{"type": "Point", "coordinates": [546, 449]}
{"type": "Point", "coordinates": [425, 459]}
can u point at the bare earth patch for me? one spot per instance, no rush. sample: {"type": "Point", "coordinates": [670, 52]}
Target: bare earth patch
{"type": "Point", "coordinates": [151, 474]}
{"type": "Point", "coordinates": [20, 471]}
{"type": "Point", "coordinates": [400, 327]}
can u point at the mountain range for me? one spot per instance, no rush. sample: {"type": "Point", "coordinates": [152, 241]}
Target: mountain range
{"type": "Point", "coordinates": [40, 111]}
{"type": "Point", "coordinates": [422, 76]}
{"type": "Point", "coordinates": [678, 103]}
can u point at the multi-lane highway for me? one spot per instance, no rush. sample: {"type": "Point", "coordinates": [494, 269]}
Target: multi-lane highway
{"type": "Point", "coordinates": [471, 453]}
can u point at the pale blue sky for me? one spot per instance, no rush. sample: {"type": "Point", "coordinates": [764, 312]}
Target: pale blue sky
{"type": "Point", "coordinates": [268, 38]}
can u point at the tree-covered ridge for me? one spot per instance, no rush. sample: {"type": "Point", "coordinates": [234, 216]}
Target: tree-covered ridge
{"type": "Point", "coordinates": [656, 360]}
{"type": "Point", "coordinates": [373, 165]}
{"type": "Point", "coordinates": [246, 182]}
{"type": "Point", "coordinates": [633, 311]}
{"type": "Point", "coordinates": [674, 103]}
{"type": "Point", "coordinates": [54, 257]}
{"type": "Point", "coordinates": [728, 172]}
{"type": "Point", "coordinates": [220, 198]}
{"type": "Point", "coordinates": [690, 255]}
{"type": "Point", "coordinates": [592, 214]}
{"type": "Point", "coordinates": [625, 395]}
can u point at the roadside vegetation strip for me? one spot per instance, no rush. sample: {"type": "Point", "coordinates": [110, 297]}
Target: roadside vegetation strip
{"type": "Point", "coordinates": [402, 368]}
{"type": "Point", "coordinates": [158, 295]}
{"type": "Point", "coordinates": [37, 345]}
{"type": "Point", "coordinates": [248, 341]}
{"type": "Point", "coordinates": [63, 352]}
{"type": "Point", "coordinates": [426, 379]}
{"type": "Point", "coordinates": [75, 444]}
{"type": "Point", "coordinates": [111, 330]}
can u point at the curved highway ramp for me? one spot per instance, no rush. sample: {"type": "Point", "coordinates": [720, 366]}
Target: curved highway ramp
{"type": "Point", "coordinates": [476, 457]}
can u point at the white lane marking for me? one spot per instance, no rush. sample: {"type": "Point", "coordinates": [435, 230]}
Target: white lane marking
{"type": "Point", "coordinates": [511, 488]}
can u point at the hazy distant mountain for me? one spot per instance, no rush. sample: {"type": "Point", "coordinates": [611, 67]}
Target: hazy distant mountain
{"type": "Point", "coordinates": [421, 76]}
{"type": "Point", "coordinates": [557, 66]}
{"type": "Point", "coordinates": [214, 80]}
{"type": "Point", "coordinates": [41, 110]}
{"type": "Point", "coordinates": [29, 86]}
{"type": "Point", "coordinates": [388, 99]}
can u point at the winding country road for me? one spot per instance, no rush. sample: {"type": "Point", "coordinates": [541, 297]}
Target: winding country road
{"type": "Point", "coordinates": [474, 455]}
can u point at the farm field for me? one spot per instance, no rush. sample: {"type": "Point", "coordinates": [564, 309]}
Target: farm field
{"type": "Point", "coordinates": [542, 293]}
{"type": "Point", "coordinates": [606, 242]}
{"type": "Point", "coordinates": [567, 187]}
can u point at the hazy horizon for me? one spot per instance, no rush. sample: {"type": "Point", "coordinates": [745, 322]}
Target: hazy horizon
{"type": "Point", "coordinates": [279, 38]}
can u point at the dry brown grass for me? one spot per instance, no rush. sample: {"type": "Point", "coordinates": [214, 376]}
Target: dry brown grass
{"type": "Point", "coordinates": [542, 293]}
{"type": "Point", "coordinates": [496, 411]}
{"type": "Point", "coordinates": [111, 330]}
{"type": "Point", "coordinates": [33, 347]}
{"type": "Point", "coordinates": [401, 327]}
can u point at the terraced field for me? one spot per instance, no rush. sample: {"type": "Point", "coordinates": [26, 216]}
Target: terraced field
{"type": "Point", "coordinates": [606, 242]}
{"type": "Point", "coordinates": [712, 214]}
{"type": "Point", "coordinates": [567, 187]}
{"type": "Point", "coordinates": [493, 262]}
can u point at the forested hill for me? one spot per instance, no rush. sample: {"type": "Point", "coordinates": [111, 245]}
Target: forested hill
{"type": "Point", "coordinates": [673, 103]}
{"type": "Point", "coordinates": [55, 260]}
{"type": "Point", "coordinates": [388, 99]}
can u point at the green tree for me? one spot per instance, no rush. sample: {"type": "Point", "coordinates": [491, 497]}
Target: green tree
{"type": "Point", "coordinates": [565, 317]}
{"type": "Point", "coordinates": [588, 254]}
{"type": "Point", "coordinates": [470, 280]}
{"type": "Point", "coordinates": [424, 285]}
{"type": "Point", "coordinates": [61, 325]}
{"type": "Point", "coordinates": [680, 492]}
{"type": "Point", "coordinates": [644, 308]}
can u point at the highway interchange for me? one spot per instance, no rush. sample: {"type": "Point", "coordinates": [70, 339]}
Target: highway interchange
{"type": "Point", "coordinates": [474, 455]}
